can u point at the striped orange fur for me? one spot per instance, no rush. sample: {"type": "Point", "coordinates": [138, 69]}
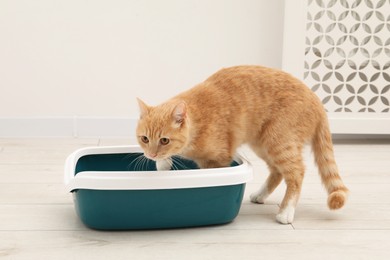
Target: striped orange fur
{"type": "Point", "coordinates": [268, 109]}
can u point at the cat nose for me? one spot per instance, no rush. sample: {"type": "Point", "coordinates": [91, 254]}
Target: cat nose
{"type": "Point", "coordinates": [153, 155]}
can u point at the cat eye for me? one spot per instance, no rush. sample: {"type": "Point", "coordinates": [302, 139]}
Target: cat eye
{"type": "Point", "coordinates": [144, 139]}
{"type": "Point", "coordinates": [164, 141]}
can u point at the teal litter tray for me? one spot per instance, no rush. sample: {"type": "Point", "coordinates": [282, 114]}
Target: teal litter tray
{"type": "Point", "coordinates": [113, 190]}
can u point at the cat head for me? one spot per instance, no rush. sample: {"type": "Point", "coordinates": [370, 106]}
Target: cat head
{"type": "Point", "coordinates": [163, 131]}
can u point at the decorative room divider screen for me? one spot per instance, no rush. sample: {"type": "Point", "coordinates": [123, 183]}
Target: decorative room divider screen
{"type": "Point", "coordinates": [341, 50]}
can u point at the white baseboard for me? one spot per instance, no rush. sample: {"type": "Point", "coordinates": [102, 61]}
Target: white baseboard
{"type": "Point", "coordinates": [125, 127]}
{"type": "Point", "coordinates": [67, 127]}
{"type": "Point", "coordinates": [359, 124]}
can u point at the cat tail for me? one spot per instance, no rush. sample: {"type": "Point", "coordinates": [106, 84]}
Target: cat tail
{"type": "Point", "coordinates": [324, 157]}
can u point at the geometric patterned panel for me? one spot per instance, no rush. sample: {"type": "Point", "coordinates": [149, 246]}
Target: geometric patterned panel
{"type": "Point", "coordinates": [347, 54]}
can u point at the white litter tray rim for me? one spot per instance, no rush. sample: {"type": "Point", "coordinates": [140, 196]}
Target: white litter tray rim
{"type": "Point", "coordinates": [150, 180]}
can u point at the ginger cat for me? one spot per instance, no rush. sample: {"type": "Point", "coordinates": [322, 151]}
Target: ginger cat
{"type": "Point", "coordinates": [271, 111]}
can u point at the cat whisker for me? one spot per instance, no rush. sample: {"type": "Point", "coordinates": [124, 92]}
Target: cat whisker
{"type": "Point", "coordinates": [143, 163]}
{"type": "Point", "coordinates": [129, 155]}
{"type": "Point", "coordinates": [140, 162]}
{"type": "Point", "coordinates": [137, 164]}
{"type": "Point", "coordinates": [134, 161]}
{"type": "Point", "coordinates": [177, 162]}
{"type": "Point", "coordinates": [174, 166]}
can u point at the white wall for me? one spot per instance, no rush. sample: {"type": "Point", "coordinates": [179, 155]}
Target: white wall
{"type": "Point", "coordinates": [92, 58]}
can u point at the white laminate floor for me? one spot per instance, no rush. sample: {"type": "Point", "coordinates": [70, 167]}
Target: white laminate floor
{"type": "Point", "coordinates": [38, 221]}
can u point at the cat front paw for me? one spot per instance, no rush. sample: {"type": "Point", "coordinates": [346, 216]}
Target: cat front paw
{"type": "Point", "coordinates": [260, 196]}
{"type": "Point", "coordinates": [286, 216]}
{"type": "Point", "coordinates": [257, 198]}
{"type": "Point", "coordinates": [164, 165]}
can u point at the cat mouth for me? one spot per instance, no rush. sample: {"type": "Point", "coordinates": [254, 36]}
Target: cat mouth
{"type": "Point", "coordinates": [154, 157]}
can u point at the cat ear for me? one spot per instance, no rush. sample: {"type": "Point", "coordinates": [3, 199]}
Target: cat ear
{"type": "Point", "coordinates": [144, 109]}
{"type": "Point", "coordinates": [180, 112]}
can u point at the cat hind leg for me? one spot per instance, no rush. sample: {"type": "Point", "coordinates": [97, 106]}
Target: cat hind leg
{"type": "Point", "coordinates": [273, 180]}
{"type": "Point", "coordinates": [293, 172]}
{"type": "Point", "coordinates": [284, 159]}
